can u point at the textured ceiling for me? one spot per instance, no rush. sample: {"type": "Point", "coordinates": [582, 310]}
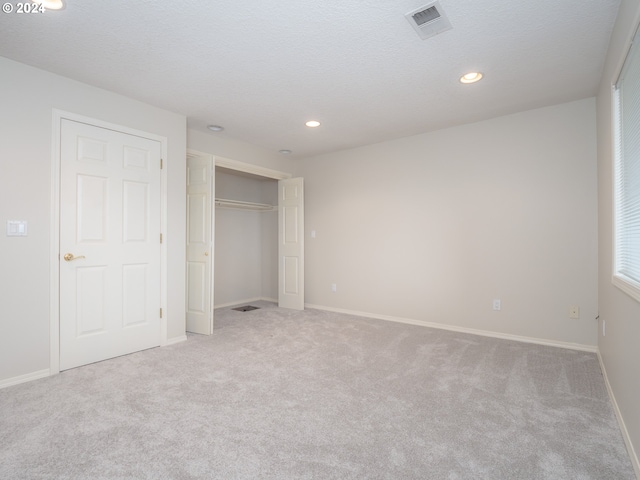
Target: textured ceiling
{"type": "Point", "coordinates": [261, 69]}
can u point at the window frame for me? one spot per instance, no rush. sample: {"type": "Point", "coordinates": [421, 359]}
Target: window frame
{"type": "Point", "coordinates": [625, 283]}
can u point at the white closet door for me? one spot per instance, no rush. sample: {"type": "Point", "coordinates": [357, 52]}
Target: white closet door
{"type": "Point", "coordinates": [109, 244]}
{"type": "Point", "coordinates": [199, 245]}
{"type": "Point", "coordinates": [291, 243]}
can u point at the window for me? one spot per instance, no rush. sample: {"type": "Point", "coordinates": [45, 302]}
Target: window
{"type": "Point", "coordinates": [626, 273]}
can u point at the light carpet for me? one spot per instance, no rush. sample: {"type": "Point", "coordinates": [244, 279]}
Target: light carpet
{"type": "Point", "coordinates": [280, 394]}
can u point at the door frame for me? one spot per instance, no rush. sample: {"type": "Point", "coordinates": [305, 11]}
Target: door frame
{"type": "Point", "coordinates": [237, 166]}
{"type": "Point", "coordinates": [247, 168]}
{"type": "Point", "coordinates": [241, 167]}
{"type": "Point", "coordinates": [54, 241]}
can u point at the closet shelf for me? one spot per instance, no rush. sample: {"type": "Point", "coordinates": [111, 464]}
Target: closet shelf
{"type": "Point", "coordinates": [226, 203]}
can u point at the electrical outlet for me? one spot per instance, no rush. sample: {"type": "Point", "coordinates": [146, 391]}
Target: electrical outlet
{"type": "Point", "coordinates": [334, 287]}
{"type": "Point", "coordinates": [497, 304]}
{"type": "Point", "coordinates": [574, 311]}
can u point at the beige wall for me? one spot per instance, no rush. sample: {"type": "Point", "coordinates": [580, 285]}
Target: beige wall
{"type": "Point", "coordinates": [620, 348]}
{"type": "Point", "coordinates": [27, 99]}
{"type": "Point", "coordinates": [434, 227]}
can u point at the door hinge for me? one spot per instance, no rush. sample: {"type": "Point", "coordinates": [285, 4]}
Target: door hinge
{"type": "Point", "coordinates": [161, 164]}
{"type": "Point", "coordinates": [160, 313]}
{"type": "Point", "coordinates": [160, 238]}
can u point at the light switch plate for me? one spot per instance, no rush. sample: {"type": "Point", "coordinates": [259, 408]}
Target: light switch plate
{"type": "Point", "coordinates": [16, 228]}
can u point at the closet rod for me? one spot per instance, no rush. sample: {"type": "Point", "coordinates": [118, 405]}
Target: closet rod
{"type": "Point", "coordinates": [226, 203]}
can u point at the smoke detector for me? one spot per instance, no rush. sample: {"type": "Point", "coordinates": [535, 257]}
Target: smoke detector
{"type": "Point", "coordinates": [429, 20]}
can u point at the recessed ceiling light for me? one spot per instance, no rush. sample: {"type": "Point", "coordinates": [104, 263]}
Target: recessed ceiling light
{"type": "Point", "coordinates": [50, 4]}
{"type": "Point", "coordinates": [215, 128]}
{"type": "Point", "coordinates": [471, 77]}
{"type": "Point", "coordinates": [312, 123]}
{"type": "Point", "coordinates": [284, 151]}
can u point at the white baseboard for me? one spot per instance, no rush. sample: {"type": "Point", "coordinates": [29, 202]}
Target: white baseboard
{"type": "Point", "coordinates": [241, 302]}
{"type": "Point", "coordinates": [24, 378]}
{"type": "Point", "coordinates": [453, 328]}
{"type": "Point", "coordinates": [623, 427]}
{"type": "Point", "coordinates": [8, 382]}
{"type": "Point", "coordinates": [174, 340]}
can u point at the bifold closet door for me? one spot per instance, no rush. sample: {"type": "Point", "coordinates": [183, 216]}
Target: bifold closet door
{"type": "Point", "coordinates": [291, 243]}
{"type": "Point", "coordinates": [199, 245]}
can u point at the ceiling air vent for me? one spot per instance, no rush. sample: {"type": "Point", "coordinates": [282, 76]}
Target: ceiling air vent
{"type": "Point", "coordinates": [429, 20]}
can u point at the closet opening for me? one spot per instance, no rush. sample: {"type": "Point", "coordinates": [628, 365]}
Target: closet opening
{"type": "Point", "coordinates": [245, 238]}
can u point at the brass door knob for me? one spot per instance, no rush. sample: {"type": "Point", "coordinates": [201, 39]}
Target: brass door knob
{"type": "Point", "coordinates": [70, 257]}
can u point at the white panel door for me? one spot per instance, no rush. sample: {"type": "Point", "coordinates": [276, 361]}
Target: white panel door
{"type": "Point", "coordinates": [291, 243]}
{"type": "Point", "coordinates": [110, 192]}
{"type": "Point", "coordinates": [199, 243]}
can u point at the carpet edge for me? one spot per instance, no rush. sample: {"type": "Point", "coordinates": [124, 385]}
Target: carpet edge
{"type": "Point", "coordinates": [453, 328]}
{"type": "Point", "coordinates": [621, 423]}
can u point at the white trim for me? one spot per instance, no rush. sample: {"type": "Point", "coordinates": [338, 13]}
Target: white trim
{"type": "Point", "coordinates": [54, 252]}
{"type": "Point", "coordinates": [250, 168]}
{"type": "Point", "coordinates": [173, 341]}
{"type": "Point", "coordinates": [54, 260]}
{"type": "Point", "coordinates": [191, 153]}
{"type": "Point", "coordinates": [244, 302]}
{"type": "Point", "coordinates": [627, 285]}
{"type": "Point", "coordinates": [619, 280]}
{"type": "Point", "coordinates": [623, 427]}
{"type": "Point", "coordinates": [250, 300]}
{"type": "Point", "coordinates": [212, 247]}
{"type": "Point", "coordinates": [472, 331]}
{"type": "Point", "coordinates": [612, 166]}
{"type": "Point", "coordinates": [8, 382]}
{"type": "Point", "coordinates": [238, 302]}
{"type": "Point", "coordinates": [164, 229]}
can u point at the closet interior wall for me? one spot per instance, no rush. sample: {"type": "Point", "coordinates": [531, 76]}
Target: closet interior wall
{"type": "Point", "coordinates": [246, 241]}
